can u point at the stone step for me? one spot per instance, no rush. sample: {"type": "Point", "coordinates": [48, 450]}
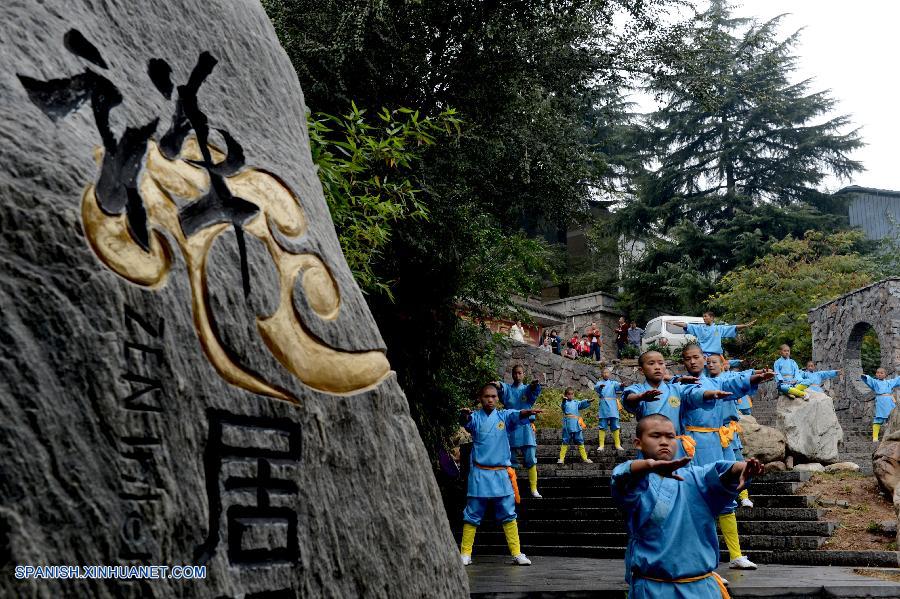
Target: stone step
{"type": "Point", "coordinates": [575, 492]}
{"type": "Point", "coordinates": [599, 486]}
{"type": "Point", "coordinates": [602, 509]}
{"type": "Point", "coordinates": [871, 559]}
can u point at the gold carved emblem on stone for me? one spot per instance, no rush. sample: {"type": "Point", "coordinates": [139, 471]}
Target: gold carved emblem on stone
{"type": "Point", "coordinates": [162, 184]}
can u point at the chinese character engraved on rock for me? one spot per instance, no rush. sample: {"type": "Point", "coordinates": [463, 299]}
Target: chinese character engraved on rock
{"type": "Point", "coordinates": [183, 191]}
{"type": "Point", "coordinates": [262, 455]}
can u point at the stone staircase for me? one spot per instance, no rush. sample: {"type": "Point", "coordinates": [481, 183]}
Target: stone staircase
{"type": "Point", "coordinates": [577, 518]}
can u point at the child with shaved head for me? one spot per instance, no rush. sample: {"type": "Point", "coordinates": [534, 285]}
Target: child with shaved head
{"type": "Point", "coordinates": [670, 509]}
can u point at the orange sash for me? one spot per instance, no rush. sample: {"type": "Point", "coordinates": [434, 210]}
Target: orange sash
{"type": "Point", "coordinates": [580, 420]}
{"type": "Point", "coordinates": [726, 433]}
{"type": "Point", "coordinates": [688, 444]}
{"type": "Point", "coordinates": [719, 581]}
{"type": "Point", "coordinates": [511, 472]}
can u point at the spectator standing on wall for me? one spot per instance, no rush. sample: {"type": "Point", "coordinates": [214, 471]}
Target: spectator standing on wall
{"type": "Point", "coordinates": [556, 343]}
{"type": "Point", "coordinates": [546, 345]}
{"type": "Point", "coordinates": [596, 341]}
{"type": "Point", "coordinates": [621, 336]}
{"type": "Point", "coordinates": [517, 332]}
{"type": "Point", "coordinates": [635, 335]}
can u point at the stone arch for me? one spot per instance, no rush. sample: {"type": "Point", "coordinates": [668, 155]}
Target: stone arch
{"type": "Point", "coordinates": [838, 327]}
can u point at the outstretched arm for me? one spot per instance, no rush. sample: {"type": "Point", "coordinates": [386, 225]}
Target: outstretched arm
{"type": "Point", "coordinates": [636, 398]}
{"type": "Point", "coordinates": [745, 325]}
{"type": "Point", "coordinates": [760, 376]}
{"type": "Point", "coordinates": [742, 472]}
{"type": "Point", "coordinates": [664, 468]}
{"type": "Point", "coordinates": [679, 323]}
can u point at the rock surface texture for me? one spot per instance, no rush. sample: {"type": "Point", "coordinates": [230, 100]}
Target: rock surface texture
{"type": "Point", "coordinates": [188, 373]}
{"type": "Point", "coordinates": [764, 443]}
{"type": "Point", "coordinates": [811, 428]}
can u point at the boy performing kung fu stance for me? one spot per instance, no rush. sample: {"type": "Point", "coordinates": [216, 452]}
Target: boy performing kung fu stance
{"type": "Point", "coordinates": [520, 396]}
{"type": "Point", "coordinates": [573, 425]}
{"type": "Point", "coordinates": [884, 398]}
{"type": "Point", "coordinates": [670, 509]}
{"type": "Point", "coordinates": [491, 477]}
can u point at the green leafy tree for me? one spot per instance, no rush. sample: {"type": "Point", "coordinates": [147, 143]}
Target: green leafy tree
{"type": "Point", "coordinates": [369, 170]}
{"type": "Point", "coordinates": [779, 289]}
{"type": "Point", "coordinates": [521, 76]}
{"type": "Point", "coordinates": [738, 151]}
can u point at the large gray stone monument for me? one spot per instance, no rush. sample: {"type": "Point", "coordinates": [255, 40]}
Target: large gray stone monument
{"type": "Point", "coordinates": [188, 372]}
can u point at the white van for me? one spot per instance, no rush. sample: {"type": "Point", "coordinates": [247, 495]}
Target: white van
{"type": "Point", "coordinates": [661, 331]}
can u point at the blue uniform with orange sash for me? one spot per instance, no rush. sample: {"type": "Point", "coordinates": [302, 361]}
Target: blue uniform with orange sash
{"type": "Point", "coordinates": [884, 396]}
{"type": "Point", "coordinates": [608, 410]}
{"type": "Point", "coordinates": [491, 477]}
{"type": "Point", "coordinates": [573, 424]}
{"type": "Point", "coordinates": [704, 420]}
{"type": "Point", "coordinates": [673, 547]}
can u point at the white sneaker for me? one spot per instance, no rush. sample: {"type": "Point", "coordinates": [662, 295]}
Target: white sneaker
{"type": "Point", "coordinates": [466, 559]}
{"type": "Point", "coordinates": [742, 563]}
{"type": "Point", "coordinates": [746, 503]}
{"type": "Point", "coordinates": [560, 461]}
{"type": "Point", "coordinates": [536, 495]}
{"type": "Point", "coordinates": [806, 397]}
{"type": "Point", "coordinates": [521, 560]}
{"type": "Point", "coordinates": [600, 450]}
{"type": "Point", "coordinates": [588, 461]}
{"type": "Point", "coordinates": [620, 448]}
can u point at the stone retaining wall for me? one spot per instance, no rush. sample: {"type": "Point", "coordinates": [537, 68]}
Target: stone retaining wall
{"type": "Point", "coordinates": [556, 371]}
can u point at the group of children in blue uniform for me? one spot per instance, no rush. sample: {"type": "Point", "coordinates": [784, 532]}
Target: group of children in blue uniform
{"type": "Point", "coordinates": [690, 470]}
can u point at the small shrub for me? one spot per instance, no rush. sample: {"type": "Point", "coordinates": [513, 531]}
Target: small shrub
{"type": "Point", "coordinates": [551, 399]}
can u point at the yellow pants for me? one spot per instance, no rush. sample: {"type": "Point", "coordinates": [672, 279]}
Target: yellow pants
{"type": "Point", "coordinates": [728, 524]}
{"type": "Point", "coordinates": [876, 430]}
{"type": "Point", "coordinates": [532, 478]}
{"type": "Point", "coordinates": [798, 390]}
{"type": "Point", "coordinates": [565, 448]}
{"type": "Point", "coordinates": [616, 439]}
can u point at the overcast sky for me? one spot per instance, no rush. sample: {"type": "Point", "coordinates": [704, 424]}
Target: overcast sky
{"type": "Point", "coordinates": [850, 48]}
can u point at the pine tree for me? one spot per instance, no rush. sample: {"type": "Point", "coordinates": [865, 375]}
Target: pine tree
{"type": "Point", "coordinates": [739, 150]}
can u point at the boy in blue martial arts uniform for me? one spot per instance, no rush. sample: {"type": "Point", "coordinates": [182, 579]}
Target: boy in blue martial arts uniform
{"type": "Point", "coordinates": [656, 396]}
{"type": "Point", "coordinates": [787, 374]}
{"type": "Point", "coordinates": [491, 477]}
{"type": "Point", "coordinates": [608, 389]}
{"type": "Point", "coordinates": [573, 425]}
{"type": "Point", "coordinates": [709, 334]}
{"type": "Point", "coordinates": [520, 396]}
{"type": "Point", "coordinates": [813, 378]}
{"type": "Point", "coordinates": [884, 398]}
{"type": "Point", "coordinates": [670, 507]}
{"type": "Point", "coordinates": [706, 423]}
{"type": "Point", "coordinates": [744, 405]}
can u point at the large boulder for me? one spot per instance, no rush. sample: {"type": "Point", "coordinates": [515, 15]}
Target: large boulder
{"type": "Point", "coordinates": [188, 372]}
{"type": "Point", "coordinates": [890, 430]}
{"type": "Point", "coordinates": [810, 427]}
{"type": "Point", "coordinates": [764, 443]}
{"type": "Point", "coordinates": [886, 466]}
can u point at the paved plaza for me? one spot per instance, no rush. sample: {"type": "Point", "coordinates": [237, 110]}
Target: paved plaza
{"type": "Point", "coordinates": [491, 576]}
